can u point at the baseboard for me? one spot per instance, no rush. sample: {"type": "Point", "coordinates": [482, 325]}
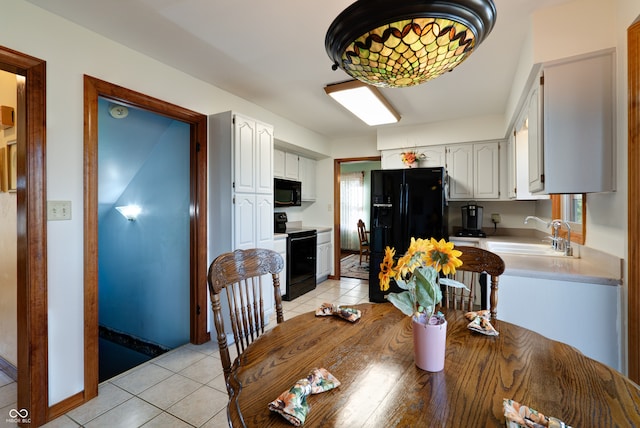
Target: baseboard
{"type": "Point", "coordinates": [9, 369]}
{"type": "Point", "coordinates": [137, 344]}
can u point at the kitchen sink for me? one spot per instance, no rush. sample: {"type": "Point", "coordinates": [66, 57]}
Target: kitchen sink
{"type": "Point", "coordinates": [526, 249]}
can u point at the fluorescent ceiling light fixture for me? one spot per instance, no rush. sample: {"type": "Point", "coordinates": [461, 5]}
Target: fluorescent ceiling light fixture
{"type": "Point", "coordinates": [365, 101]}
{"type": "Point", "coordinates": [130, 212]}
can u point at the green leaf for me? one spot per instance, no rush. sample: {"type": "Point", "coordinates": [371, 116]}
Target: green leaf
{"type": "Point", "coordinates": [427, 289]}
{"type": "Point", "coordinates": [402, 301]}
{"type": "Point", "coordinates": [453, 283]}
{"type": "Point", "coordinates": [402, 284]}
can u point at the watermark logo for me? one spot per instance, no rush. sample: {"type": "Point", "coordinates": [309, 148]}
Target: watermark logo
{"type": "Point", "coordinates": [19, 416]}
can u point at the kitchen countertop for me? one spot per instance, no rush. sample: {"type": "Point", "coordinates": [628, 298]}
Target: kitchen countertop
{"type": "Point", "coordinates": [592, 266]}
{"type": "Point", "coordinates": [319, 229]}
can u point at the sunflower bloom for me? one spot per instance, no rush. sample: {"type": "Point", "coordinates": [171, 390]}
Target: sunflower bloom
{"type": "Point", "coordinates": [386, 269]}
{"type": "Point", "coordinates": [441, 255]}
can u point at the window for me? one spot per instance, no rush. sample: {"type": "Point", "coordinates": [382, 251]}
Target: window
{"type": "Point", "coordinates": [571, 208]}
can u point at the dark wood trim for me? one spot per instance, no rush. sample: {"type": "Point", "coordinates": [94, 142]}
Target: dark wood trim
{"type": "Point", "coordinates": [336, 207]}
{"type": "Point", "coordinates": [66, 405]}
{"type": "Point", "coordinates": [633, 202]}
{"type": "Point", "coordinates": [93, 89]}
{"type": "Point", "coordinates": [33, 375]}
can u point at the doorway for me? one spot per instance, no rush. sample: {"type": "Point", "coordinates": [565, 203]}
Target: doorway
{"type": "Point", "coordinates": [143, 165]}
{"type": "Point", "coordinates": [355, 202]}
{"type": "Point", "coordinates": [31, 276]}
{"type": "Point", "coordinates": [197, 215]}
{"type": "Point", "coordinates": [337, 199]}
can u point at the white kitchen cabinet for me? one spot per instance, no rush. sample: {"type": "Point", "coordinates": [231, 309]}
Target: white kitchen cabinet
{"type": "Point", "coordinates": [486, 168]}
{"type": "Point", "coordinates": [436, 156]}
{"type": "Point", "coordinates": [474, 170]}
{"type": "Point", "coordinates": [253, 155]}
{"type": "Point", "coordinates": [583, 315]}
{"type": "Point", "coordinates": [535, 152]}
{"type": "Point", "coordinates": [460, 169]}
{"type": "Point", "coordinates": [240, 183]}
{"type": "Point", "coordinates": [512, 191]}
{"type": "Point", "coordinates": [291, 166]}
{"type": "Point", "coordinates": [240, 189]}
{"type": "Point", "coordinates": [278, 163]}
{"type": "Point", "coordinates": [576, 136]}
{"type": "Point", "coordinates": [307, 173]}
{"type": "Point", "coordinates": [280, 246]}
{"type": "Point", "coordinates": [324, 256]}
{"type": "Point", "coordinates": [518, 166]}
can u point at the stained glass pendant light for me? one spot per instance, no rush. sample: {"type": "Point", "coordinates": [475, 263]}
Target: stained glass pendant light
{"type": "Point", "coordinates": [396, 43]}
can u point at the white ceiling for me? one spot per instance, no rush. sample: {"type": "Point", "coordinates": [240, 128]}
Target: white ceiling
{"type": "Point", "coordinates": [272, 54]}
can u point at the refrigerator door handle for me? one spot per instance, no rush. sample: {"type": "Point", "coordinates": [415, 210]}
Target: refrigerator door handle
{"type": "Point", "coordinates": [405, 208]}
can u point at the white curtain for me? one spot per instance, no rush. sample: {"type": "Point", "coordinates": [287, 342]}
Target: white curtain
{"type": "Point", "coordinates": [351, 208]}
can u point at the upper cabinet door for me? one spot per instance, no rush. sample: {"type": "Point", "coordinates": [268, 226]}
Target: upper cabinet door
{"type": "Point", "coordinates": [244, 155]}
{"type": "Point", "coordinates": [278, 163]}
{"type": "Point", "coordinates": [291, 171]}
{"type": "Point", "coordinates": [579, 106]}
{"type": "Point", "coordinates": [460, 169]}
{"type": "Point", "coordinates": [536, 143]}
{"type": "Point", "coordinates": [264, 158]}
{"type": "Point", "coordinates": [436, 156]}
{"type": "Point", "coordinates": [486, 170]}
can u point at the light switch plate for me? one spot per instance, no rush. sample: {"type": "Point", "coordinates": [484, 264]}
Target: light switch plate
{"type": "Point", "coordinates": [58, 210]}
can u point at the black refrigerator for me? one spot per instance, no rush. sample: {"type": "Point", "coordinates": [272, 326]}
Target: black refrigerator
{"type": "Point", "coordinates": [405, 203]}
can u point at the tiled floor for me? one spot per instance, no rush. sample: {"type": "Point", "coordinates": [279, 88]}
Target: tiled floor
{"type": "Point", "coordinates": [182, 388]}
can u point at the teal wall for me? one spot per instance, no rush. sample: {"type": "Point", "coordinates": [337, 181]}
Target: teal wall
{"type": "Point", "coordinates": [144, 264]}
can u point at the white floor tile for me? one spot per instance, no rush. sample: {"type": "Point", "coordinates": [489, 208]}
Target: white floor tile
{"type": "Point", "coordinates": [132, 413]}
{"type": "Point", "coordinates": [200, 406]}
{"type": "Point", "coordinates": [169, 391]}
{"type": "Point", "coordinates": [141, 378]}
{"type": "Point", "coordinates": [109, 396]}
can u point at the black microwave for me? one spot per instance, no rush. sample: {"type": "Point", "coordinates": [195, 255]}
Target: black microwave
{"type": "Point", "coordinates": [287, 193]}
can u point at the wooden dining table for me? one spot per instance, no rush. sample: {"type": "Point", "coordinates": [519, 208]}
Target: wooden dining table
{"type": "Point", "coordinates": [382, 387]}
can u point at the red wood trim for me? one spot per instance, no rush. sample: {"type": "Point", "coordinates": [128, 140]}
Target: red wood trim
{"type": "Point", "coordinates": [95, 88]}
{"type": "Point", "coordinates": [32, 233]}
{"type": "Point", "coordinates": [633, 197]}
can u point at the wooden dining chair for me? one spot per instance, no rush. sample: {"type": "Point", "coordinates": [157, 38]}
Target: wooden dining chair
{"type": "Point", "coordinates": [240, 274]}
{"type": "Point", "coordinates": [364, 240]}
{"type": "Point", "coordinates": [475, 262]}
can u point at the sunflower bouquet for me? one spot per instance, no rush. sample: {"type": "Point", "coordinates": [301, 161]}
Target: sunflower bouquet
{"type": "Point", "coordinates": [417, 273]}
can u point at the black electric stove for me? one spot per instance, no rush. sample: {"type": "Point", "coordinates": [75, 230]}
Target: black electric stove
{"type": "Point", "coordinates": [301, 257]}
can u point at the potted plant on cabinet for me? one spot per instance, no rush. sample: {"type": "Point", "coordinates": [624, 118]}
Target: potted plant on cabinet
{"type": "Point", "coordinates": [417, 273]}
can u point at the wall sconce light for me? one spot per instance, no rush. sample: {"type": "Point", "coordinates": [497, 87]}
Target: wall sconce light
{"type": "Point", "coordinates": [365, 101]}
{"type": "Point", "coordinates": [130, 212]}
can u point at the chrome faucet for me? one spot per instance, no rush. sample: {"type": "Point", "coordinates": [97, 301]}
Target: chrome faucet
{"type": "Point", "coordinates": [559, 242]}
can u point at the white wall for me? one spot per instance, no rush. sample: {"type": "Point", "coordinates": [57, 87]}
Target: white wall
{"type": "Point", "coordinates": [70, 52]}
{"type": "Point", "coordinates": [477, 128]}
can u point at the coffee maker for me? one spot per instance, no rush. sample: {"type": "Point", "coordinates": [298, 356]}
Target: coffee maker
{"type": "Point", "coordinates": [471, 221]}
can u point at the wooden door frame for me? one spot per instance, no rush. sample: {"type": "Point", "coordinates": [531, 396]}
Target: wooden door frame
{"type": "Point", "coordinates": [32, 331]}
{"type": "Point", "coordinates": [94, 88]}
{"type": "Point", "coordinates": [336, 204]}
{"type": "Point", "coordinates": [633, 202]}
